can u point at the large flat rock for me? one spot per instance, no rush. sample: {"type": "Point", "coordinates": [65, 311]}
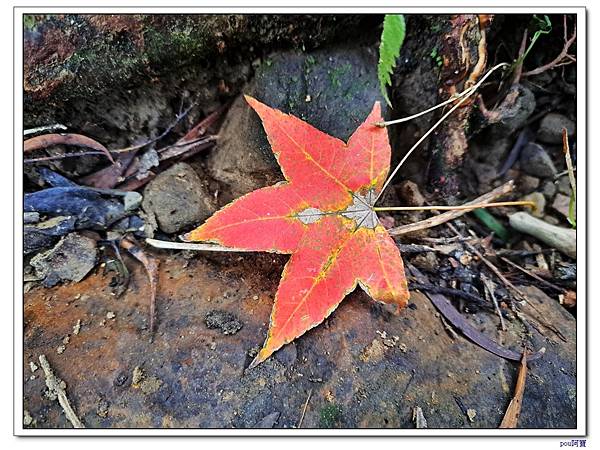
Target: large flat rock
{"type": "Point", "coordinates": [196, 377]}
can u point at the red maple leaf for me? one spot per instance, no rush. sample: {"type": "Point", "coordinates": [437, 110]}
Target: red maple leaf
{"type": "Point", "coordinates": [322, 215]}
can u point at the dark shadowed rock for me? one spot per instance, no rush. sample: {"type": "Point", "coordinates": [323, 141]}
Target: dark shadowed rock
{"type": "Point", "coordinates": [332, 90]}
{"type": "Point", "coordinates": [536, 161]}
{"type": "Point", "coordinates": [514, 110]}
{"type": "Point", "coordinates": [551, 126]}
{"type": "Point", "coordinates": [224, 321]}
{"type": "Point", "coordinates": [527, 183]}
{"type": "Point", "coordinates": [268, 421]}
{"type": "Point", "coordinates": [178, 199]}
{"type": "Point", "coordinates": [92, 209]}
{"type": "Point", "coordinates": [549, 190]}
{"type": "Point", "coordinates": [410, 194]}
{"type": "Point", "coordinates": [45, 234]}
{"type": "Point", "coordinates": [70, 260]}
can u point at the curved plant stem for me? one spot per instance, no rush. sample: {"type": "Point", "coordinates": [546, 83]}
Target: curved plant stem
{"type": "Point", "coordinates": [464, 98]}
{"type": "Point", "coordinates": [427, 111]}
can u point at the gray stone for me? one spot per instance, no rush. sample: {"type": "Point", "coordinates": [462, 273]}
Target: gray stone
{"type": "Point", "coordinates": [333, 90]}
{"type": "Point", "coordinates": [485, 174]}
{"type": "Point", "coordinates": [427, 261]}
{"type": "Point", "coordinates": [513, 112]}
{"type": "Point", "coordinates": [45, 234]}
{"type": "Point", "coordinates": [287, 355]}
{"type": "Point", "coordinates": [564, 185]}
{"type": "Point", "coordinates": [536, 161]}
{"type": "Point", "coordinates": [69, 260]}
{"type": "Point", "coordinates": [224, 321]}
{"type": "Point", "coordinates": [551, 220]}
{"type": "Point", "coordinates": [549, 189]}
{"type": "Point", "coordinates": [528, 184]}
{"type": "Point", "coordinates": [491, 149]}
{"type": "Point", "coordinates": [561, 204]}
{"type": "Point", "coordinates": [178, 199]}
{"type": "Point", "coordinates": [551, 126]}
{"type": "Point", "coordinates": [31, 217]}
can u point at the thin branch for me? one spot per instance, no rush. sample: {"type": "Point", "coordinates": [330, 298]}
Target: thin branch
{"type": "Point", "coordinates": [559, 60]}
{"type": "Point", "coordinates": [533, 275]}
{"type": "Point", "coordinates": [468, 207]}
{"type": "Point", "coordinates": [191, 246]}
{"type": "Point", "coordinates": [56, 388]}
{"type": "Point", "coordinates": [304, 410]}
{"type": "Point", "coordinates": [427, 111]}
{"type": "Point", "coordinates": [63, 156]}
{"type": "Point", "coordinates": [451, 215]}
{"type": "Point", "coordinates": [45, 128]}
{"type": "Point", "coordinates": [520, 59]}
{"type": "Point", "coordinates": [470, 92]}
{"type": "Point", "coordinates": [178, 119]}
{"type": "Point", "coordinates": [489, 290]}
{"type": "Point", "coordinates": [48, 140]}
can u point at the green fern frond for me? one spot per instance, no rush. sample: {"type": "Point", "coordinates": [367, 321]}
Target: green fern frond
{"type": "Point", "coordinates": [392, 38]}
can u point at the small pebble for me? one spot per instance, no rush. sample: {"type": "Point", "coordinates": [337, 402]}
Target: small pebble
{"type": "Point", "coordinates": [77, 327]}
{"type": "Point", "coordinates": [33, 366]}
{"type": "Point", "coordinates": [110, 315]}
{"type": "Point", "coordinates": [60, 350]}
{"type": "Point", "coordinates": [137, 377]}
{"type": "Point", "coordinates": [471, 413]}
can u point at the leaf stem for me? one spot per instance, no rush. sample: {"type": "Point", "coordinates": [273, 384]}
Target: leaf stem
{"type": "Point", "coordinates": [453, 208]}
{"type": "Point", "coordinates": [427, 111]}
{"type": "Point", "coordinates": [464, 98]}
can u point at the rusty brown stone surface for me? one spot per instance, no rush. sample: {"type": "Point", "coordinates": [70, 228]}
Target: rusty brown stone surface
{"type": "Point", "coordinates": [365, 366]}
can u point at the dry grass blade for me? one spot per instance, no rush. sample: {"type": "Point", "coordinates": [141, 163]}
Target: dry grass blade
{"type": "Point", "coordinates": [532, 275]}
{"type": "Point", "coordinates": [151, 265]}
{"type": "Point", "coordinates": [451, 215]}
{"type": "Point", "coordinates": [77, 140]}
{"type": "Point", "coordinates": [511, 416]}
{"type": "Point", "coordinates": [571, 172]}
{"type": "Point", "coordinates": [304, 409]}
{"type": "Point", "coordinates": [489, 290]}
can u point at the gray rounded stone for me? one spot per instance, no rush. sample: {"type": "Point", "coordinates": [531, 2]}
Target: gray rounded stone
{"type": "Point", "coordinates": [178, 199]}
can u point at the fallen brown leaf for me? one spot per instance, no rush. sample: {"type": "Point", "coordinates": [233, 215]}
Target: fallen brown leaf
{"type": "Point", "coordinates": [511, 417]}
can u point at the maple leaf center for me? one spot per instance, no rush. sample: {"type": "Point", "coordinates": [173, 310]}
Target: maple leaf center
{"type": "Point", "coordinates": [360, 211]}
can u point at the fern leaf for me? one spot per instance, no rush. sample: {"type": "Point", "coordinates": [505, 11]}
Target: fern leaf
{"type": "Point", "coordinates": [392, 38]}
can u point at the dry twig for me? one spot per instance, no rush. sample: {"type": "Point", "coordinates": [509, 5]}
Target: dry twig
{"type": "Point", "coordinates": [304, 409]}
{"type": "Point", "coordinates": [489, 288]}
{"type": "Point", "coordinates": [532, 275]}
{"type": "Point", "coordinates": [563, 57]}
{"type": "Point", "coordinates": [57, 389]}
{"type": "Point", "coordinates": [77, 140]}
{"type": "Point", "coordinates": [451, 215]}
